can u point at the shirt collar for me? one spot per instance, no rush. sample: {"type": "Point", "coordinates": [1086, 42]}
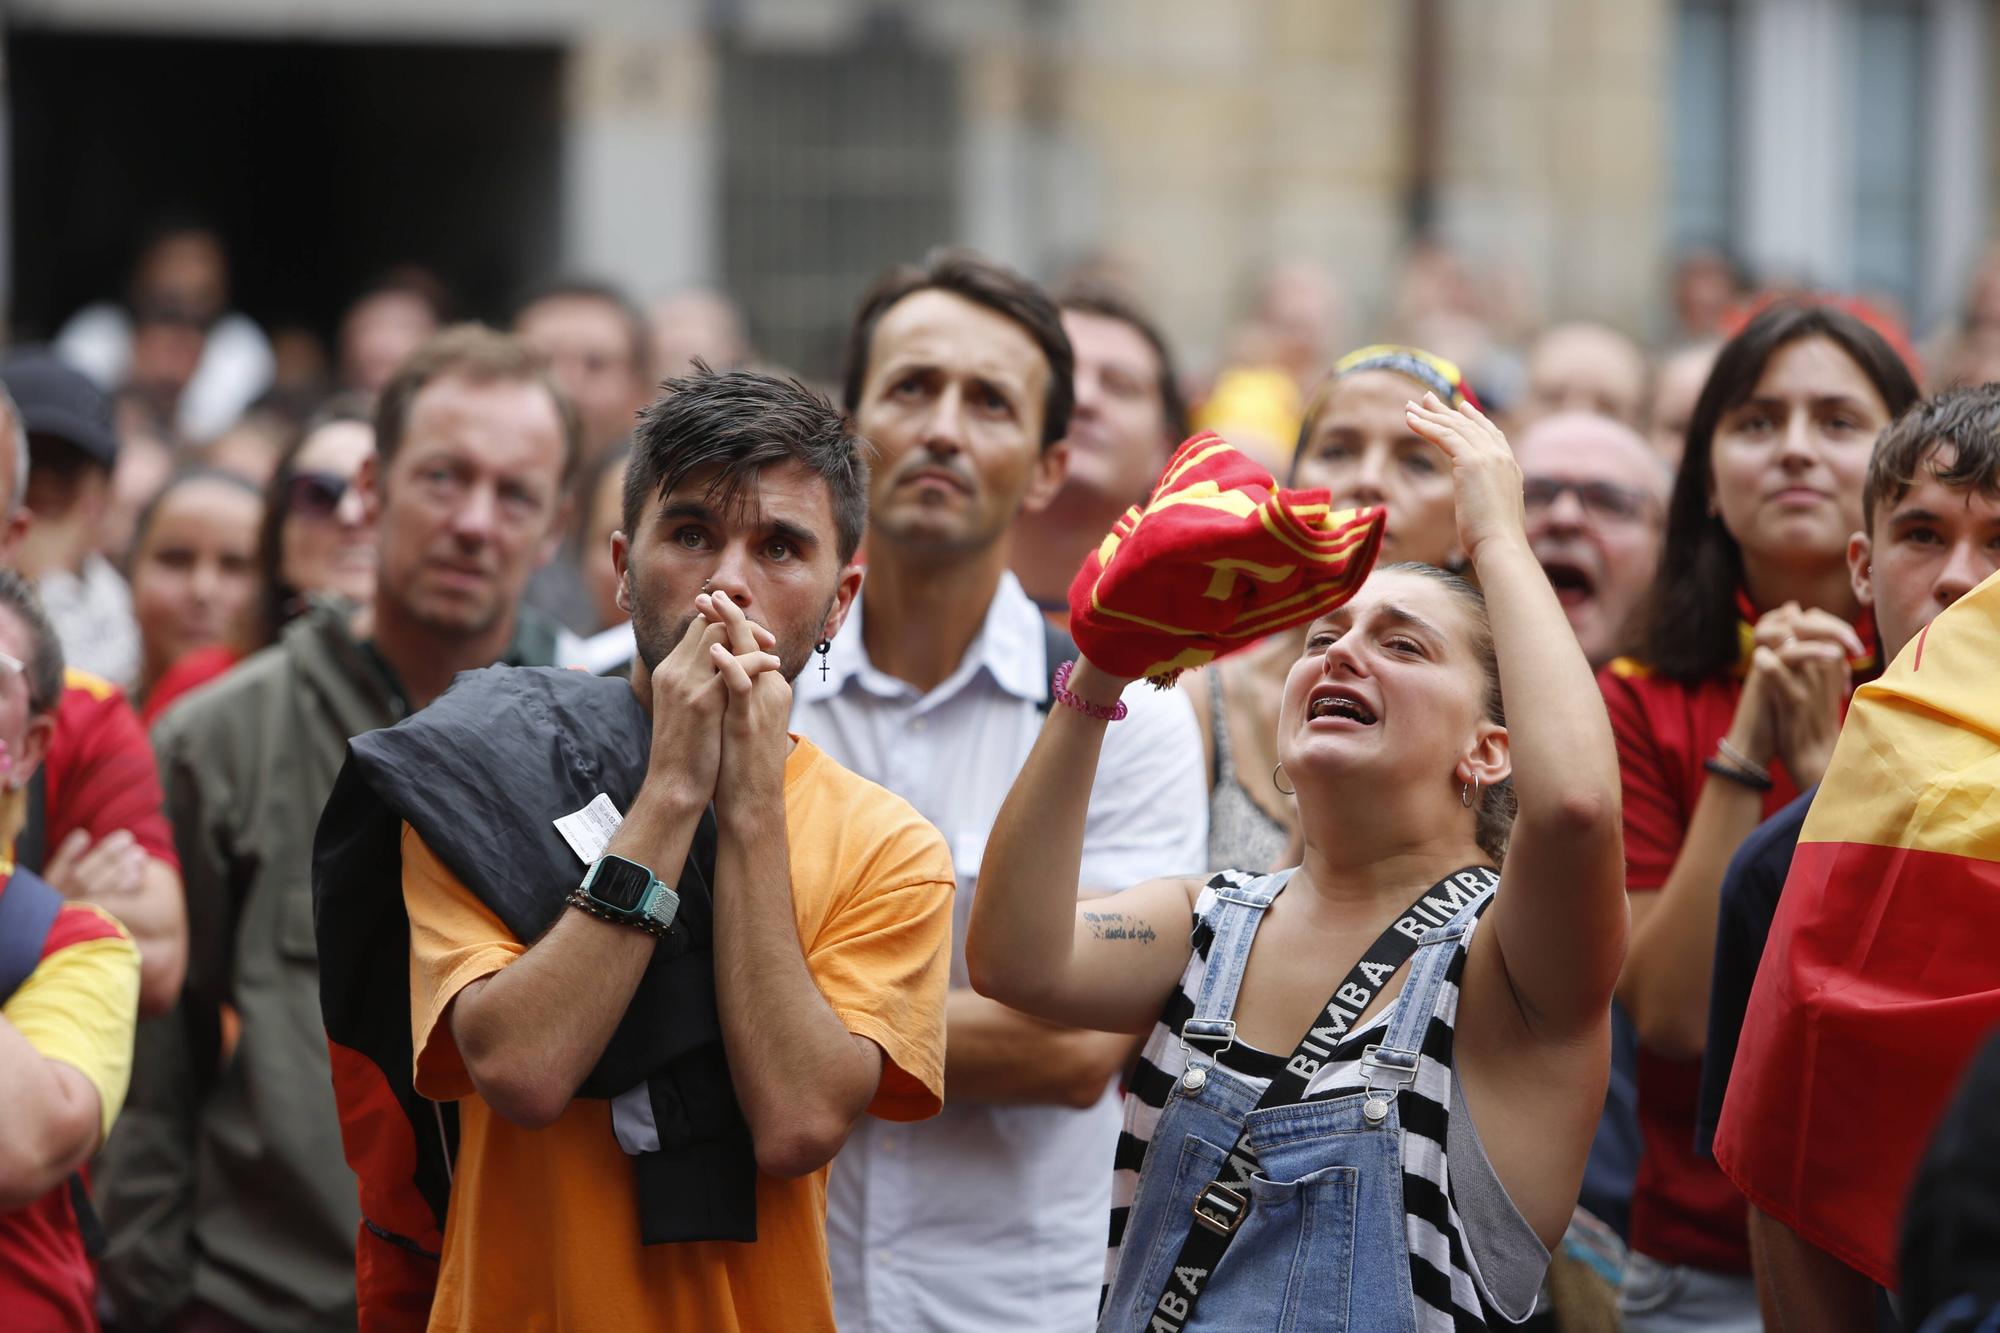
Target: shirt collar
{"type": "Point", "coordinates": [1008, 649]}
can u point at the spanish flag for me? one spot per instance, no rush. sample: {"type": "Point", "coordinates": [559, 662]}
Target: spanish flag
{"type": "Point", "coordinates": [1882, 976]}
{"type": "Point", "coordinates": [1217, 559]}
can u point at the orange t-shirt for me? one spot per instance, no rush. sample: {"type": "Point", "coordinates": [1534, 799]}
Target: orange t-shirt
{"type": "Point", "coordinates": [543, 1231]}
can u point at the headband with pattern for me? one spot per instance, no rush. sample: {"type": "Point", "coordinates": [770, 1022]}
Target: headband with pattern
{"type": "Point", "coordinates": [1440, 376]}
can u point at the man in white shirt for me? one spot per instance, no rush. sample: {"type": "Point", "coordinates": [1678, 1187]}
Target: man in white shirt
{"type": "Point", "coordinates": [993, 1215]}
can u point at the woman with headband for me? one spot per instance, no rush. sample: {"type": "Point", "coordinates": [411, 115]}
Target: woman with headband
{"type": "Point", "coordinates": [1355, 441]}
{"type": "Point", "coordinates": [1297, 1161]}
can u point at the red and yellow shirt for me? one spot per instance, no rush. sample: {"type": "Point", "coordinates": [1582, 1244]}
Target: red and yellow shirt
{"type": "Point", "coordinates": [78, 1006]}
{"type": "Point", "coordinates": [100, 774]}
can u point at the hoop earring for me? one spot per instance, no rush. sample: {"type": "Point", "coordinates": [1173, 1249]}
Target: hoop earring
{"type": "Point", "coordinates": [1275, 770]}
{"type": "Point", "coordinates": [1468, 792]}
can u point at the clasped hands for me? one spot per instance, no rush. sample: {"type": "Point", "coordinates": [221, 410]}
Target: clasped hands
{"type": "Point", "coordinates": [721, 705]}
{"type": "Point", "coordinates": [1795, 689]}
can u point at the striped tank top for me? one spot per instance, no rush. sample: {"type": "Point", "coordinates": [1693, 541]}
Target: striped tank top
{"type": "Point", "coordinates": [1474, 1260]}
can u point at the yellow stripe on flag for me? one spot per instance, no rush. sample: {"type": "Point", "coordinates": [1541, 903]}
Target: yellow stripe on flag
{"type": "Point", "coordinates": [1918, 761]}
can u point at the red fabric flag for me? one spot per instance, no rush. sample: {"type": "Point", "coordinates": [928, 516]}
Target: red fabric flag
{"type": "Point", "coordinates": [1882, 976]}
{"type": "Point", "coordinates": [1217, 559]}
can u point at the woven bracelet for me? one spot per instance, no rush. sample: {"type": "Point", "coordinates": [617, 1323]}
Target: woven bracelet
{"type": "Point", "coordinates": [1742, 777]}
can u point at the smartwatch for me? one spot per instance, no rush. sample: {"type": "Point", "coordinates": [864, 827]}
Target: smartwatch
{"type": "Point", "coordinates": [615, 889]}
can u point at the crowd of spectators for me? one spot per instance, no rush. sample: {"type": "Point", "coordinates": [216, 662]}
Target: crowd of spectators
{"type": "Point", "coordinates": [225, 554]}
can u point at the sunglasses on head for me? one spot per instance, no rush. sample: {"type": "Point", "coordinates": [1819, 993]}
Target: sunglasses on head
{"type": "Point", "coordinates": [316, 494]}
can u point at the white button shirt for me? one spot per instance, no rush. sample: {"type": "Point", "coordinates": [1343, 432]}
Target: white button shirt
{"type": "Point", "coordinates": [988, 1216]}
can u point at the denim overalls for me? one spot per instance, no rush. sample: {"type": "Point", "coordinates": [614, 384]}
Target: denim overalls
{"type": "Point", "coordinates": [1325, 1243]}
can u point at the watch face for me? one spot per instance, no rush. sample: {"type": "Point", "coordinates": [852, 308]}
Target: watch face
{"type": "Point", "coordinates": [619, 884]}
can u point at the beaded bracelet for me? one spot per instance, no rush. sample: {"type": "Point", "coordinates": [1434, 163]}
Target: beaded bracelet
{"type": "Point", "coordinates": [1060, 688]}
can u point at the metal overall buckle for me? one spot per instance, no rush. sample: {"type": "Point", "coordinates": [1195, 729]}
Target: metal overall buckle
{"type": "Point", "coordinates": [1222, 1032]}
{"type": "Point", "coordinates": [1376, 1102]}
{"type": "Point", "coordinates": [1220, 1208]}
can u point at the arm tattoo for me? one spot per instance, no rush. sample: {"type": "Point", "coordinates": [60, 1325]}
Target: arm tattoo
{"type": "Point", "coordinates": [1118, 926]}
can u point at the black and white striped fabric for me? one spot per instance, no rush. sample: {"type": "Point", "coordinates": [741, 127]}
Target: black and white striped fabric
{"type": "Point", "coordinates": [1443, 1274]}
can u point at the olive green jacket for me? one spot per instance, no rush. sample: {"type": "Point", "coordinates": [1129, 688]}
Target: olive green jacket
{"type": "Point", "coordinates": [225, 1181]}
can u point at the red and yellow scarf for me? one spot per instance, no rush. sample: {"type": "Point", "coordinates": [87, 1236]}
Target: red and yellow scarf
{"type": "Point", "coordinates": [1217, 559]}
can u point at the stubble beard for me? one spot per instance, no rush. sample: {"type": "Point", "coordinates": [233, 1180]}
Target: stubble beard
{"type": "Point", "coordinates": [657, 637]}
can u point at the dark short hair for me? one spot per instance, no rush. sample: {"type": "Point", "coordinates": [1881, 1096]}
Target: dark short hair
{"type": "Point", "coordinates": [1691, 616]}
{"type": "Point", "coordinates": [1087, 297]}
{"type": "Point", "coordinates": [739, 422]}
{"type": "Point", "coordinates": [638, 334]}
{"type": "Point", "coordinates": [45, 658]}
{"type": "Point", "coordinates": [483, 355]}
{"type": "Point", "coordinates": [1965, 420]}
{"type": "Point", "coordinates": [984, 283]}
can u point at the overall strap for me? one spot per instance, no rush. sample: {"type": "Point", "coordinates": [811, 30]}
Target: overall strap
{"type": "Point", "coordinates": [1392, 1065]}
{"type": "Point", "coordinates": [1430, 929]}
{"type": "Point", "coordinates": [1232, 920]}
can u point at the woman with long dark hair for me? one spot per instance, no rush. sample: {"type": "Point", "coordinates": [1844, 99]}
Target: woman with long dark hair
{"type": "Point", "coordinates": [1299, 1148]}
{"type": "Point", "coordinates": [1752, 643]}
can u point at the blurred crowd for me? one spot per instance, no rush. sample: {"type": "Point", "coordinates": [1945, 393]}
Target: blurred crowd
{"type": "Point", "coordinates": [229, 548]}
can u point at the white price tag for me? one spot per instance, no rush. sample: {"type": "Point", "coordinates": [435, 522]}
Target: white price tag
{"type": "Point", "coordinates": [588, 831]}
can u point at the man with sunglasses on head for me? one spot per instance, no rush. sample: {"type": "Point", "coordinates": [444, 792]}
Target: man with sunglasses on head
{"type": "Point", "coordinates": [227, 1199]}
{"type": "Point", "coordinates": [1596, 497]}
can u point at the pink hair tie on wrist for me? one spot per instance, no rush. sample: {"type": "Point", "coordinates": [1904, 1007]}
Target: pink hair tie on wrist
{"type": "Point", "coordinates": [1060, 688]}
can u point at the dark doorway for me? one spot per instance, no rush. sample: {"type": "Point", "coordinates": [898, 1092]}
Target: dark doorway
{"type": "Point", "coordinates": [321, 164]}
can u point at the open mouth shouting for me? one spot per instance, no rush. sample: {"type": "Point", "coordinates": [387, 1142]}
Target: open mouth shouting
{"type": "Point", "coordinates": [1575, 583]}
{"type": "Point", "coordinates": [1337, 705]}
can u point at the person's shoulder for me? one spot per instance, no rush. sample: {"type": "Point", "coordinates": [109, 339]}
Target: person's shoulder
{"type": "Point", "coordinates": [90, 708]}
{"type": "Point", "coordinates": [1636, 677]}
{"type": "Point", "coordinates": [86, 691]}
{"type": "Point", "coordinates": [1631, 683]}
{"type": "Point", "coordinates": [564, 698]}
{"type": "Point", "coordinates": [233, 697]}
{"type": "Point", "coordinates": [79, 924]}
{"type": "Point", "coordinates": [872, 824]}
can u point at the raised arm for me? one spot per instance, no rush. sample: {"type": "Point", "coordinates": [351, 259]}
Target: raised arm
{"type": "Point", "coordinates": [1107, 963]}
{"type": "Point", "coordinates": [1560, 916]}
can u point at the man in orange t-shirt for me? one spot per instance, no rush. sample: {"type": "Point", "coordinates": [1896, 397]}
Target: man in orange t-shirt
{"type": "Point", "coordinates": [744, 506]}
